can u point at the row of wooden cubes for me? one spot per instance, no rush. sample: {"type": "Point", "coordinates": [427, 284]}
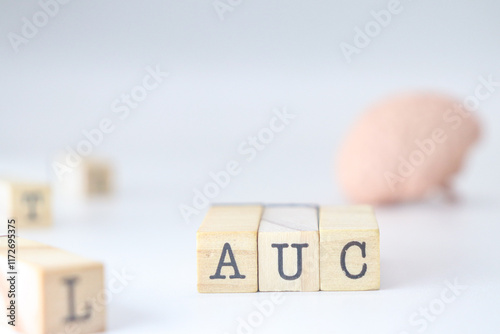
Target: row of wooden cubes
{"type": "Point", "coordinates": [250, 248]}
{"type": "Point", "coordinates": [30, 203]}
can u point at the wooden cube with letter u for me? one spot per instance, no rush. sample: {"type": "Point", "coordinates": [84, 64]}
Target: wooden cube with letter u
{"type": "Point", "coordinates": [289, 248]}
{"type": "Point", "coordinates": [227, 249]}
{"type": "Point", "coordinates": [56, 291]}
{"type": "Point", "coordinates": [349, 248]}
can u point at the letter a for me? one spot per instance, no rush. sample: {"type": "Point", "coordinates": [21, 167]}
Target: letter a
{"type": "Point", "coordinates": [227, 250]}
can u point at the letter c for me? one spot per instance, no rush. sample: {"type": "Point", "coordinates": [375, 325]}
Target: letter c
{"type": "Point", "coordinates": [362, 246]}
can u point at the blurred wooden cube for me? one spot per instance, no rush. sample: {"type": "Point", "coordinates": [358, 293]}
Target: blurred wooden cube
{"type": "Point", "coordinates": [349, 248]}
{"type": "Point", "coordinates": [98, 177]}
{"type": "Point", "coordinates": [289, 249]}
{"type": "Point", "coordinates": [93, 177]}
{"type": "Point", "coordinates": [29, 203]}
{"type": "Point", "coordinates": [227, 249]}
{"type": "Point", "coordinates": [56, 291]}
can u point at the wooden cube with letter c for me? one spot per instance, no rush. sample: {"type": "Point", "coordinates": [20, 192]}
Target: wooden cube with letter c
{"type": "Point", "coordinates": [51, 290]}
{"type": "Point", "coordinates": [349, 248]}
{"type": "Point", "coordinates": [227, 249]}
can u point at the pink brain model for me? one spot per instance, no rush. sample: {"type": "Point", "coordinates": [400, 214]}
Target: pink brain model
{"type": "Point", "coordinates": [405, 147]}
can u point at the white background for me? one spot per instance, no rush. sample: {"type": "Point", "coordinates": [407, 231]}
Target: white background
{"type": "Point", "coordinates": [226, 77]}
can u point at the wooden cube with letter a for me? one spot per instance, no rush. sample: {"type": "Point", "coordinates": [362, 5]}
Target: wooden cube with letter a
{"type": "Point", "coordinates": [227, 249]}
{"type": "Point", "coordinates": [349, 248]}
{"type": "Point", "coordinates": [289, 249]}
{"type": "Point", "coordinates": [29, 203]}
{"type": "Point", "coordinates": [56, 291]}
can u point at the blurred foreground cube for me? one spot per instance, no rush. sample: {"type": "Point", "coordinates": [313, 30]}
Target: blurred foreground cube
{"type": "Point", "coordinates": [29, 203]}
{"type": "Point", "coordinates": [49, 291]}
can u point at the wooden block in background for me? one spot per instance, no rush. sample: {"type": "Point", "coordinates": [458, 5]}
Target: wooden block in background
{"type": "Point", "coordinates": [226, 241]}
{"type": "Point", "coordinates": [289, 231]}
{"type": "Point", "coordinates": [29, 203]}
{"type": "Point", "coordinates": [93, 177]}
{"type": "Point", "coordinates": [349, 248]}
{"type": "Point", "coordinates": [57, 291]}
{"type": "Point", "coordinates": [97, 177]}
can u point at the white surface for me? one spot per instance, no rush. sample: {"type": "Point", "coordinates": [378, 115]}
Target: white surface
{"type": "Point", "coordinates": [422, 246]}
{"type": "Point", "coordinates": [225, 79]}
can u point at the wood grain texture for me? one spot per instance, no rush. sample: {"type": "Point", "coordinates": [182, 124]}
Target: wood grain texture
{"type": "Point", "coordinates": [225, 227]}
{"type": "Point", "coordinates": [29, 203]}
{"type": "Point", "coordinates": [289, 231]}
{"type": "Point", "coordinates": [346, 232]}
{"type": "Point", "coordinates": [57, 292]}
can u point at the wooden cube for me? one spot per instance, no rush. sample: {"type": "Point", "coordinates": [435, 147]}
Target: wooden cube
{"type": "Point", "coordinates": [349, 248]}
{"type": "Point", "coordinates": [227, 249]}
{"type": "Point", "coordinates": [98, 176]}
{"type": "Point", "coordinates": [29, 203]}
{"type": "Point", "coordinates": [289, 249]}
{"type": "Point", "coordinates": [56, 291]}
{"type": "Point", "coordinates": [93, 177]}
